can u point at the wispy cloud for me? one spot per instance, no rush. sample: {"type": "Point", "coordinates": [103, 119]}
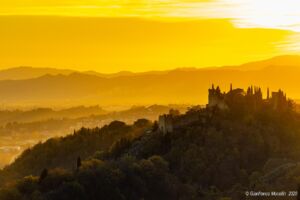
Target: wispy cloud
{"type": "Point", "coordinates": [279, 14]}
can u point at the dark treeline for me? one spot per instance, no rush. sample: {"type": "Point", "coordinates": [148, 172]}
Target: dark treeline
{"type": "Point", "coordinates": [219, 156]}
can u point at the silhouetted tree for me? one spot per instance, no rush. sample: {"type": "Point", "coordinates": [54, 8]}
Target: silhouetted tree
{"type": "Point", "coordinates": [155, 126]}
{"type": "Point", "coordinates": [298, 191]}
{"type": "Point", "coordinates": [43, 175]}
{"type": "Point", "coordinates": [78, 164]}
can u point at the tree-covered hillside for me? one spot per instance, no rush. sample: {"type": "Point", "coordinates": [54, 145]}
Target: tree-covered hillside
{"type": "Point", "coordinates": [219, 156]}
{"type": "Point", "coordinates": [63, 151]}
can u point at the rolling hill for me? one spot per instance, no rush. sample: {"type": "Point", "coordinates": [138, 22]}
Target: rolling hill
{"type": "Point", "coordinates": [180, 86]}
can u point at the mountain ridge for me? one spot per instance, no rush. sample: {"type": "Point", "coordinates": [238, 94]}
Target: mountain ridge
{"type": "Point", "coordinates": [22, 72]}
{"type": "Point", "coordinates": [179, 86]}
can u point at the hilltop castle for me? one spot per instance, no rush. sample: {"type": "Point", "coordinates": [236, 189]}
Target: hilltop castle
{"type": "Point", "coordinates": [252, 98]}
{"type": "Point", "coordinates": [234, 99]}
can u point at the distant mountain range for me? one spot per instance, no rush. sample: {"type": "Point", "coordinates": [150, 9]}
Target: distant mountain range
{"type": "Point", "coordinates": [46, 86]}
{"type": "Point", "coordinates": [25, 72]}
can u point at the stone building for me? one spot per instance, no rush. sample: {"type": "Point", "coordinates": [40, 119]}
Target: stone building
{"type": "Point", "coordinates": [279, 100]}
{"type": "Point", "coordinates": [216, 98]}
{"type": "Point", "coordinates": [165, 123]}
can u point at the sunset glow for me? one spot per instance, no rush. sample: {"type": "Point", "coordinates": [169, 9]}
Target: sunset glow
{"type": "Point", "coordinates": [115, 33]}
{"type": "Point", "coordinates": [280, 14]}
{"type": "Point", "coordinates": [149, 99]}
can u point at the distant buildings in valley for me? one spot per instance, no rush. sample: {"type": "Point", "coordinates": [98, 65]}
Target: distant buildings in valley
{"type": "Point", "coordinates": [235, 99]}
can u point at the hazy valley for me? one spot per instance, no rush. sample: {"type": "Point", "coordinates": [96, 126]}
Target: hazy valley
{"type": "Point", "coordinates": [22, 129]}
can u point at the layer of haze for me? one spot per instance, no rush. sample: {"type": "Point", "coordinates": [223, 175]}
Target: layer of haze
{"type": "Point", "coordinates": [133, 44]}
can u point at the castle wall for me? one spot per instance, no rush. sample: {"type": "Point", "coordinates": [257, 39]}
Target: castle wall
{"type": "Point", "coordinates": [165, 123]}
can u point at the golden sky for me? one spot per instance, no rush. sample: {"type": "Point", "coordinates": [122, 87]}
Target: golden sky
{"type": "Point", "coordinates": [142, 35]}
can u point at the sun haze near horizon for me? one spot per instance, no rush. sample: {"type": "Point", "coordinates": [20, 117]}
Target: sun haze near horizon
{"type": "Point", "coordinates": [138, 35]}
